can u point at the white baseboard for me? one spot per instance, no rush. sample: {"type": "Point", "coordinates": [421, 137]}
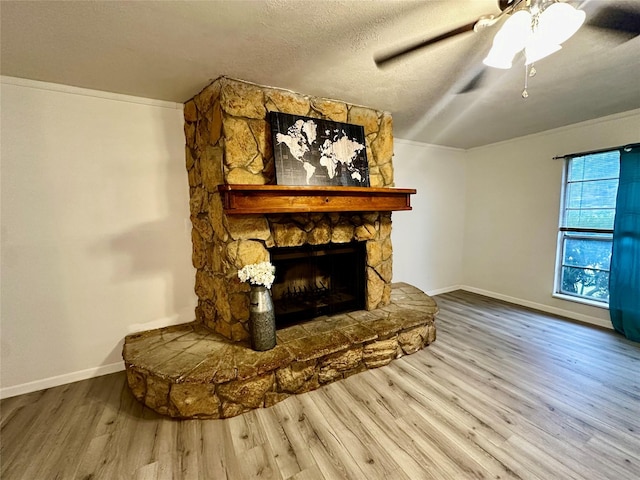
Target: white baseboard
{"type": "Point", "coordinates": [439, 291]}
{"type": "Point", "coordinates": [60, 380]}
{"type": "Point", "coordinates": [540, 306]}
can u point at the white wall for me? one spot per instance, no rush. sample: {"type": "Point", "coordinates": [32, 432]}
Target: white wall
{"type": "Point", "coordinates": [512, 208]}
{"type": "Point", "coordinates": [428, 240]}
{"type": "Point", "coordinates": [95, 231]}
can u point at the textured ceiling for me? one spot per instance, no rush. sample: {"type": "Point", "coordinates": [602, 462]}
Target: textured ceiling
{"type": "Point", "coordinates": [170, 50]}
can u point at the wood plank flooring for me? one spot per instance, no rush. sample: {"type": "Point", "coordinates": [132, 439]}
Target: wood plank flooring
{"type": "Point", "coordinates": [504, 393]}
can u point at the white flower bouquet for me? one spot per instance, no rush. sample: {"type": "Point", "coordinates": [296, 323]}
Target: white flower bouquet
{"type": "Point", "coordinates": [258, 274]}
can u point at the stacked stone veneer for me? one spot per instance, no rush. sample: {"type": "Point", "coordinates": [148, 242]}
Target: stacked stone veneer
{"type": "Point", "coordinates": [228, 141]}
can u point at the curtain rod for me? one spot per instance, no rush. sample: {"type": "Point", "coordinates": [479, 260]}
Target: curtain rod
{"type": "Point", "coordinates": [593, 152]}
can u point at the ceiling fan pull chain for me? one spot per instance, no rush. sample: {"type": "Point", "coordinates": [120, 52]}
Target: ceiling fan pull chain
{"type": "Point", "coordinates": [525, 94]}
{"type": "Point", "coordinates": [530, 70]}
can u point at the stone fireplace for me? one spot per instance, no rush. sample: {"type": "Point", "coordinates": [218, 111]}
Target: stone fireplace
{"type": "Point", "coordinates": [331, 247]}
{"type": "Point", "coordinates": [228, 141]}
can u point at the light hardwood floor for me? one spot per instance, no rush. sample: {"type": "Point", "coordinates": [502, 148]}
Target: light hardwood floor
{"type": "Point", "coordinates": [504, 393]}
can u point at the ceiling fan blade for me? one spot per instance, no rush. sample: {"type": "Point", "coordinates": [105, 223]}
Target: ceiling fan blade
{"type": "Point", "coordinates": [617, 19]}
{"type": "Point", "coordinates": [384, 59]}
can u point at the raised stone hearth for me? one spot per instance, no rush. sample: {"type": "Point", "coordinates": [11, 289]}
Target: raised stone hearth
{"type": "Point", "coordinates": [188, 371]}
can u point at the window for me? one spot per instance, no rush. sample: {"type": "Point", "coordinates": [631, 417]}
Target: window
{"type": "Point", "coordinates": [586, 226]}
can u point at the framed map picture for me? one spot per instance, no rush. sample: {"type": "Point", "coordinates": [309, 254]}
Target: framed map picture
{"type": "Point", "coordinates": [311, 151]}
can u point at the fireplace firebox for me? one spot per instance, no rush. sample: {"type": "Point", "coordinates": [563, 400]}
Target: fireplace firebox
{"type": "Point", "coordinates": [314, 280]}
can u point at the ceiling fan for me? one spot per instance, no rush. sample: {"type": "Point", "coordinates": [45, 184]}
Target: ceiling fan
{"type": "Point", "coordinates": [533, 16]}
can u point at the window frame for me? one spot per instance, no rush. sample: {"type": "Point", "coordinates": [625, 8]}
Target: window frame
{"type": "Point", "coordinates": [598, 234]}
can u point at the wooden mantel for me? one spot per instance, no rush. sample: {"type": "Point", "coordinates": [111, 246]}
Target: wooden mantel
{"type": "Point", "coordinates": [261, 199]}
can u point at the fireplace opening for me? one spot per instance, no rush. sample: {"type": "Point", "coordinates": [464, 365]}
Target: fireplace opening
{"type": "Point", "coordinates": [315, 280]}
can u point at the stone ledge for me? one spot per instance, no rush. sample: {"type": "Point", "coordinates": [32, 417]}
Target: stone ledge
{"type": "Point", "coordinates": [187, 371]}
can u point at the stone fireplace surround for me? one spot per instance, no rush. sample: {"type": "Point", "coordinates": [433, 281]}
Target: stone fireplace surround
{"type": "Point", "coordinates": [205, 368]}
{"type": "Point", "coordinates": [228, 141]}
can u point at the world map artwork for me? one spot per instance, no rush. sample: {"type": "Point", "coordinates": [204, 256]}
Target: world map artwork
{"type": "Point", "coordinates": [312, 151]}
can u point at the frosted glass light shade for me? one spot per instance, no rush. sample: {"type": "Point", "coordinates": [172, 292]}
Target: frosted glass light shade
{"type": "Point", "coordinates": [509, 40]}
{"type": "Point", "coordinates": [499, 60]}
{"type": "Point", "coordinates": [515, 32]}
{"type": "Point", "coordinates": [559, 22]}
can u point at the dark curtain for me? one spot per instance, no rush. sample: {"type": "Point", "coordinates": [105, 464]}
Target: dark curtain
{"type": "Point", "coordinates": [624, 280]}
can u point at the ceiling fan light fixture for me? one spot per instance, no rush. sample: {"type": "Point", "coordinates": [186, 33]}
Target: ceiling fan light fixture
{"type": "Point", "coordinates": [537, 29]}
